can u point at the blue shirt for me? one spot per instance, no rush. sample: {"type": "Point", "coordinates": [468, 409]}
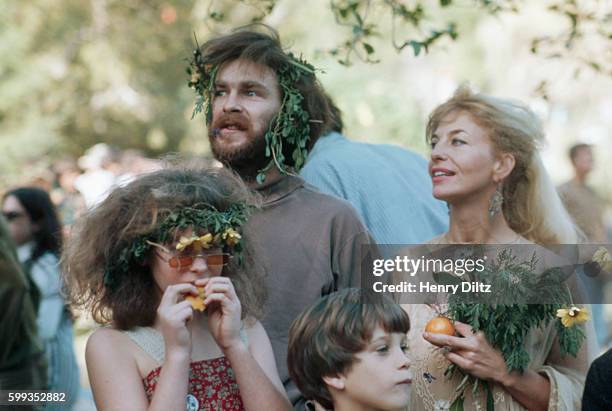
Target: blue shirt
{"type": "Point", "coordinates": [389, 186]}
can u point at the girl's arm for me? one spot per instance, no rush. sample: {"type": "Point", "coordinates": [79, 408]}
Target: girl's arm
{"type": "Point", "coordinates": [261, 350]}
{"type": "Point", "coordinates": [260, 386]}
{"type": "Point", "coordinates": [115, 378]}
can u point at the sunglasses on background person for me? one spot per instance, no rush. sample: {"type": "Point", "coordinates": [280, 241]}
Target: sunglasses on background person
{"type": "Point", "coordinates": [186, 257]}
{"type": "Point", "coordinates": [12, 215]}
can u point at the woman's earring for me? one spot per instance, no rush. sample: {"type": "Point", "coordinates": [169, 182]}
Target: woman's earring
{"type": "Point", "coordinates": [496, 201]}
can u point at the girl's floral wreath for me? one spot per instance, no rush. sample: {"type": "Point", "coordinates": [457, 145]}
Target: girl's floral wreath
{"type": "Point", "coordinates": [223, 230]}
{"type": "Point", "coordinates": [292, 124]}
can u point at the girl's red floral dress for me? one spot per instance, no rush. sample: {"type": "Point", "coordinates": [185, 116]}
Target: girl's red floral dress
{"type": "Point", "coordinates": [211, 382]}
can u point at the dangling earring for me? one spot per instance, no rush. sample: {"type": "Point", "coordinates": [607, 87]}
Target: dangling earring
{"type": "Point", "coordinates": [448, 208]}
{"type": "Point", "coordinates": [496, 201]}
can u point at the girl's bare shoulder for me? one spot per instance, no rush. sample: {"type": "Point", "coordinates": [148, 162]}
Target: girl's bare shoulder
{"type": "Point", "coordinates": [107, 340]}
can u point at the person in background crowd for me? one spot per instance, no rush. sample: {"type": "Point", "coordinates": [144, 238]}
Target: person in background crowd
{"type": "Point", "coordinates": [264, 110]}
{"type": "Point", "coordinates": [69, 202]}
{"type": "Point", "coordinates": [35, 228]}
{"type": "Point", "coordinates": [581, 200]}
{"type": "Point", "coordinates": [22, 358]}
{"type": "Point", "coordinates": [587, 209]}
{"type": "Point", "coordinates": [388, 185]}
{"type": "Point", "coordinates": [99, 163]}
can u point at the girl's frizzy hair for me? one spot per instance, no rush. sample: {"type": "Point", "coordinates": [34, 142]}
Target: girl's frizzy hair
{"type": "Point", "coordinates": [136, 210]}
{"type": "Point", "coordinates": [42, 212]}
{"type": "Point", "coordinates": [324, 338]}
{"type": "Point", "coordinates": [531, 205]}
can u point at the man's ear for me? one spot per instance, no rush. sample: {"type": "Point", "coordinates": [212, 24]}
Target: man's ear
{"type": "Point", "coordinates": [503, 166]}
{"type": "Point", "coordinates": [335, 381]}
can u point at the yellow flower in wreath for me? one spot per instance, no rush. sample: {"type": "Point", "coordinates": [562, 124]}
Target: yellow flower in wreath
{"type": "Point", "coordinates": [197, 242]}
{"type": "Point", "coordinates": [195, 77]}
{"type": "Point", "coordinates": [573, 315]}
{"type": "Point", "coordinates": [231, 237]}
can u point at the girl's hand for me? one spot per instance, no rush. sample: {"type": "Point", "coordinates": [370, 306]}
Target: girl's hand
{"type": "Point", "coordinates": [173, 315]}
{"type": "Point", "coordinates": [472, 353]}
{"type": "Point", "coordinates": [223, 309]}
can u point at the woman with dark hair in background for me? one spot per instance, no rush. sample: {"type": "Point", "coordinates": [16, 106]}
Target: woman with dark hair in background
{"type": "Point", "coordinates": [35, 228]}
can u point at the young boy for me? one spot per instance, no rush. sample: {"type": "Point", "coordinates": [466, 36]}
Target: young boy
{"type": "Point", "coordinates": [348, 352]}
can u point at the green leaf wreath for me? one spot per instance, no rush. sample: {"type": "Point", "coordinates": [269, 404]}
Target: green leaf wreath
{"type": "Point", "coordinates": [224, 225]}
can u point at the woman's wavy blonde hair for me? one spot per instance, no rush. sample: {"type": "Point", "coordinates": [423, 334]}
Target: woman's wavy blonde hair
{"type": "Point", "coordinates": [531, 205]}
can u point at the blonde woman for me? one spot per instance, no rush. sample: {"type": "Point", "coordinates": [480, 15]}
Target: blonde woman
{"type": "Point", "coordinates": [485, 164]}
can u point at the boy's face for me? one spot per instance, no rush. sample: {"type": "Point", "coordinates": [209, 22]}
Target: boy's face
{"type": "Point", "coordinates": [379, 378]}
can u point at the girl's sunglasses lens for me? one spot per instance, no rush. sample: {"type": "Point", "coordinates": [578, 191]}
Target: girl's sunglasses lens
{"type": "Point", "coordinates": [173, 262]}
{"type": "Point", "coordinates": [216, 260]}
{"type": "Point", "coordinates": [180, 261]}
{"type": "Point", "coordinates": [186, 260]}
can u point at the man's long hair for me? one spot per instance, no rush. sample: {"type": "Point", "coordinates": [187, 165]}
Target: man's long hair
{"type": "Point", "coordinates": [261, 44]}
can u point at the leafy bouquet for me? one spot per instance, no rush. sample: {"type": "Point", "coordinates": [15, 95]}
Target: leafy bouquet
{"type": "Point", "coordinates": [507, 325]}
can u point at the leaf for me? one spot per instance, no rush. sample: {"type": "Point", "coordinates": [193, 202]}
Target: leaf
{"type": "Point", "coordinates": [368, 48]}
{"type": "Point", "coordinates": [260, 178]}
{"type": "Point", "coordinates": [217, 16]}
{"type": "Point", "coordinates": [490, 401]}
{"type": "Point", "coordinates": [445, 3]}
{"type": "Point", "coordinates": [416, 47]}
{"type": "Point", "coordinates": [457, 405]}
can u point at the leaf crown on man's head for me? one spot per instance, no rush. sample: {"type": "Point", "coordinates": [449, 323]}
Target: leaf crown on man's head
{"type": "Point", "coordinates": [289, 132]}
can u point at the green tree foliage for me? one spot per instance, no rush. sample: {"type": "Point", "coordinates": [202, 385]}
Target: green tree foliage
{"type": "Point", "coordinates": [74, 73]}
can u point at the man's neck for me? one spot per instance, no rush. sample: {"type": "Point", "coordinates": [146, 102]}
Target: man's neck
{"type": "Point", "coordinates": [271, 176]}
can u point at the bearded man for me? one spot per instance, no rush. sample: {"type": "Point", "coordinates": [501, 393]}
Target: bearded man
{"type": "Point", "coordinates": [264, 110]}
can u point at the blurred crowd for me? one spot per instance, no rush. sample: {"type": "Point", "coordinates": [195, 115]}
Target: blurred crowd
{"type": "Point", "coordinates": [76, 184]}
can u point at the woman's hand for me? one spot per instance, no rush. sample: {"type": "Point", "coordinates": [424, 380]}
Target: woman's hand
{"type": "Point", "coordinates": [472, 353]}
{"type": "Point", "coordinates": [223, 309]}
{"type": "Point", "coordinates": [174, 314]}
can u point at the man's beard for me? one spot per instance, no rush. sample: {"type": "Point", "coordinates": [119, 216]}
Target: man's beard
{"type": "Point", "coordinates": [246, 160]}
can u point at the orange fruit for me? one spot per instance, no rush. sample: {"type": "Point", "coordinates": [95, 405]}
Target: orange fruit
{"type": "Point", "coordinates": [440, 325]}
{"type": "Point", "coordinates": [197, 303]}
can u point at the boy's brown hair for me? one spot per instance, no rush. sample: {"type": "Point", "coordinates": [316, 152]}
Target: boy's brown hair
{"type": "Point", "coordinates": [324, 339]}
{"type": "Point", "coordinates": [134, 210]}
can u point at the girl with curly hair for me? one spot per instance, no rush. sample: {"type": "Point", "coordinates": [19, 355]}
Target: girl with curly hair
{"type": "Point", "coordinates": [163, 263]}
